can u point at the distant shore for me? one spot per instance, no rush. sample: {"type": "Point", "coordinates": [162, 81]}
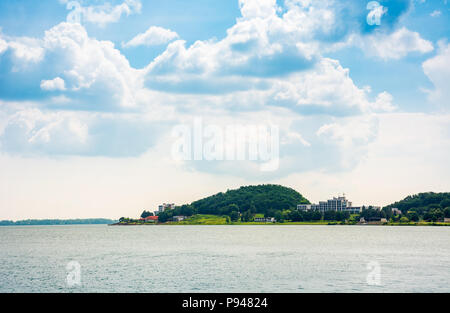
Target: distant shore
{"type": "Point", "coordinates": [219, 220]}
{"type": "Point", "coordinates": [44, 222]}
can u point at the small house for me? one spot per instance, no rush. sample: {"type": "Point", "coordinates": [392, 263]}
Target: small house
{"type": "Point", "coordinates": [151, 219]}
{"type": "Point", "coordinates": [265, 219]}
{"type": "Point", "coordinates": [179, 218]}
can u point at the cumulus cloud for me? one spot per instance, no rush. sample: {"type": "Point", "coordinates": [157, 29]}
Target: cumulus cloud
{"type": "Point", "coordinates": [437, 69]}
{"type": "Point", "coordinates": [101, 14]}
{"type": "Point", "coordinates": [153, 36]}
{"type": "Point", "coordinates": [327, 89]}
{"type": "Point", "coordinates": [257, 8]}
{"type": "Point", "coordinates": [94, 69]}
{"type": "Point", "coordinates": [394, 46]}
{"type": "Point", "coordinates": [92, 65]}
{"type": "Point", "coordinates": [25, 51]}
{"type": "Point", "coordinates": [3, 46]}
{"type": "Point", "coordinates": [54, 84]}
{"type": "Point", "coordinates": [31, 131]}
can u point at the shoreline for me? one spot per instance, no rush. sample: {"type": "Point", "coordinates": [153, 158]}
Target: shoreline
{"type": "Point", "coordinates": [438, 224]}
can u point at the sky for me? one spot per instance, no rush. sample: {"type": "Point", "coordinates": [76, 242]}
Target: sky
{"type": "Point", "coordinates": [109, 107]}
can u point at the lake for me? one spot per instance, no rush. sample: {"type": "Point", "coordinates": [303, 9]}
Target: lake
{"type": "Point", "coordinates": [157, 259]}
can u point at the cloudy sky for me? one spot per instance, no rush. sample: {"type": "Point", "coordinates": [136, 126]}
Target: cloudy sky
{"type": "Point", "coordinates": [91, 90]}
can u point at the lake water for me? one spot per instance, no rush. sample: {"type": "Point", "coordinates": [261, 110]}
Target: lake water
{"type": "Point", "coordinates": [256, 259]}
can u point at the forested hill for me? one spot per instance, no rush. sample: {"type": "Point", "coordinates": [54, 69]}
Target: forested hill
{"type": "Point", "coordinates": [423, 202]}
{"type": "Point", "coordinates": [257, 199]}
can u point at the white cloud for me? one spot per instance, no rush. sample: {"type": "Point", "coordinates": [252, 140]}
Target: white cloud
{"type": "Point", "coordinates": [394, 46]}
{"type": "Point", "coordinates": [3, 46]}
{"type": "Point", "coordinates": [435, 13]}
{"type": "Point", "coordinates": [91, 65]}
{"type": "Point", "coordinates": [350, 131]}
{"type": "Point", "coordinates": [153, 36]}
{"type": "Point", "coordinates": [26, 51]}
{"type": "Point", "coordinates": [257, 8]}
{"type": "Point", "coordinates": [101, 14]}
{"type": "Point", "coordinates": [54, 84]}
{"type": "Point", "coordinates": [352, 137]}
{"type": "Point", "coordinates": [384, 103]}
{"type": "Point", "coordinates": [437, 69]}
{"type": "Point", "coordinates": [34, 130]}
{"type": "Point", "coordinates": [327, 89]}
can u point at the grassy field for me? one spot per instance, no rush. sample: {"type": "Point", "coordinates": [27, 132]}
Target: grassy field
{"type": "Point", "coordinates": [202, 220]}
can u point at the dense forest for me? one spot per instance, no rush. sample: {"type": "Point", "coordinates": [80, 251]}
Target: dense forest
{"type": "Point", "coordinates": [268, 200]}
{"type": "Point", "coordinates": [429, 206]}
{"type": "Point", "coordinates": [259, 199]}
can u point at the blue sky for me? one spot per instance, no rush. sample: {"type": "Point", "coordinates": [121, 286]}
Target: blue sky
{"type": "Point", "coordinates": [99, 85]}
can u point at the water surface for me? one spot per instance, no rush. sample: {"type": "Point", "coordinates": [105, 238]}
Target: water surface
{"type": "Point", "coordinates": [225, 258]}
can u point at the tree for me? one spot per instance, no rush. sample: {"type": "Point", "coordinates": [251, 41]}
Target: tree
{"type": "Point", "coordinates": [233, 207]}
{"type": "Point", "coordinates": [316, 216]}
{"type": "Point", "coordinates": [165, 216]}
{"type": "Point", "coordinates": [247, 216]}
{"type": "Point", "coordinates": [187, 210]}
{"type": "Point", "coordinates": [404, 219]}
{"type": "Point", "coordinates": [279, 216]}
{"type": "Point", "coordinates": [330, 215]}
{"type": "Point", "coordinates": [445, 203]}
{"type": "Point", "coordinates": [253, 208]}
{"type": "Point", "coordinates": [234, 216]}
{"type": "Point", "coordinates": [447, 212]}
{"type": "Point", "coordinates": [413, 216]}
{"type": "Point", "coordinates": [296, 216]}
{"type": "Point", "coordinates": [437, 214]}
{"type": "Point", "coordinates": [146, 214]}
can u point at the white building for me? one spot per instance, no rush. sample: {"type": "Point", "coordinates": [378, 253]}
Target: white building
{"type": "Point", "coordinates": [166, 206]}
{"type": "Point", "coordinates": [340, 204]}
{"type": "Point", "coordinates": [265, 219]}
{"type": "Point", "coordinates": [179, 218]}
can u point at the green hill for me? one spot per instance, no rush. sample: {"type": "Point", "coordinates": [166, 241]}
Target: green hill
{"type": "Point", "coordinates": [258, 199]}
{"type": "Point", "coordinates": [248, 200]}
{"type": "Point", "coordinates": [423, 202]}
{"type": "Point", "coordinates": [428, 206]}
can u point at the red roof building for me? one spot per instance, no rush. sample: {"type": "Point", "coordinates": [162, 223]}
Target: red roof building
{"type": "Point", "coordinates": [151, 219]}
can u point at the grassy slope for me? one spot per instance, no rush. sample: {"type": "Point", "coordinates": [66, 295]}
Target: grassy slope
{"type": "Point", "coordinates": [202, 219]}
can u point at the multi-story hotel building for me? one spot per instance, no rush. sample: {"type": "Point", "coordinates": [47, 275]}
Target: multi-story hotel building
{"type": "Point", "coordinates": [165, 206]}
{"type": "Point", "coordinates": [340, 204]}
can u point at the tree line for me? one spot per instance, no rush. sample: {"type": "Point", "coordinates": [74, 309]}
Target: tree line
{"type": "Point", "coordinates": [89, 221]}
